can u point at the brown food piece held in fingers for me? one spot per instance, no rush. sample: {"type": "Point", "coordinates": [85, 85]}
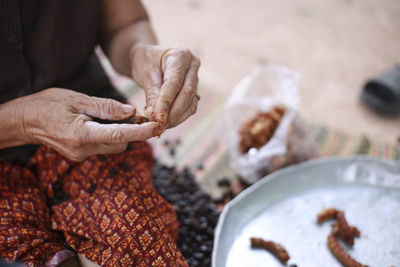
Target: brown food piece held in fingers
{"type": "Point", "coordinates": [139, 119]}
{"type": "Point", "coordinates": [135, 119]}
{"type": "Point", "coordinates": [160, 127]}
{"type": "Point", "coordinates": [257, 131]}
{"type": "Point", "coordinates": [341, 254]}
{"type": "Point", "coordinates": [276, 249]}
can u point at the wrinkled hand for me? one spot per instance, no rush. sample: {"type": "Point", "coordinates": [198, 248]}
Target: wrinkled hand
{"type": "Point", "coordinates": [62, 119]}
{"type": "Point", "coordinates": [169, 78]}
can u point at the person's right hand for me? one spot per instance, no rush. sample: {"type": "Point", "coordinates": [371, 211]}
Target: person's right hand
{"type": "Point", "coordinates": [62, 119]}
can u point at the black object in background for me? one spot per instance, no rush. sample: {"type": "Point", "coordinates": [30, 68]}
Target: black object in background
{"type": "Point", "coordinates": [382, 94]}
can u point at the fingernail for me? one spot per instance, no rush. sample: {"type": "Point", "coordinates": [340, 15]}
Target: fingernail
{"type": "Point", "coordinates": [128, 108]}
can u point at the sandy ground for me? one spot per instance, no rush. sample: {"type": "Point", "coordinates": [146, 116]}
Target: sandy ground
{"type": "Point", "coordinates": [336, 45]}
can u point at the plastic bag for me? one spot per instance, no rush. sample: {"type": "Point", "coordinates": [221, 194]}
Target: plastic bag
{"type": "Point", "coordinates": [265, 88]}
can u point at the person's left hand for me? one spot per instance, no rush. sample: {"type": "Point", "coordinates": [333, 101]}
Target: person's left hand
{"type": "Point", "coordinates": [169, 76]}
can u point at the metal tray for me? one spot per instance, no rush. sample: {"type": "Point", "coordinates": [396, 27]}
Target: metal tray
{"type": "Point", "coordinates": [283, 207]}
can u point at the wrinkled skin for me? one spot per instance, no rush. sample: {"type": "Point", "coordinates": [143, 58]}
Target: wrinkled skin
{"type": "Point", "coordinates": [170, 81]}
{"type": "Point", "coordinates": [62, 119]}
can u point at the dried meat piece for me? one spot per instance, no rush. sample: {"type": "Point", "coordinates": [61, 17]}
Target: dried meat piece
{"type": "Point", "coordinates": [345, 232]}
{"type": "Point", "coordinates": [140, 119]}
{"type": "Point", "coordinates": [336, 230]}
{"type": "Point", "coordinates": [135, 119]}
{"type": "Point", "coordinates": [327, 214]}
{"type": "Point", "coordinates": [341, 254]}
{"type": "Point", "coordinates": [355, 231]}
{"type": "Point", "coordinates": [342, 228]}
{"type": "Point", "coordinates": [257, 131]}
{"type": "Point", "coordinates": [276, 249]}
{"type": "Point", "coordinates": [160, 127]}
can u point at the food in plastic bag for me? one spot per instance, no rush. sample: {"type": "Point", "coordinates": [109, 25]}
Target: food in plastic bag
{"type": "Point", "coordinates": [258, 130]}
{"type": "Point", "coordinates": [286, 139]}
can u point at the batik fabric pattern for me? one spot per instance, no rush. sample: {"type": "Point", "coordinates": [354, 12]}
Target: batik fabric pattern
{"type": "Point", "coordinates": [112, 214]}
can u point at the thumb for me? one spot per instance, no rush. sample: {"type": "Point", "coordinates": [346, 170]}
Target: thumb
{"type": "Point", "coordinates": [104, 108]}
{"type": "Point", "coordinates": [117, 133]}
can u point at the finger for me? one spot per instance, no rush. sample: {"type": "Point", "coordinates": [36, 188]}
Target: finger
{"type": "Point", "coordinates": [188, 92]}
{"type": "Point", "coordinates": [103, 108]}
{"type": "Point", "coordinates": [151, 77]}
{"type": "Point", "coordinates": [94, 132]}
{"type": "Point", "coordinates": [152, 88]}
{"type": "Point", "coordinates": [175, 67]}
{"type": "Point", "coordinates": [186, 114]}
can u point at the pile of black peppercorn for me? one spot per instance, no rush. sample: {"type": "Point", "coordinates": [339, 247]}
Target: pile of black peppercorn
{"type": "Point", "coordinates": [197, 213]}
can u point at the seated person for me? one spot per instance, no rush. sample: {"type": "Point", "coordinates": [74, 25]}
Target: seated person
{"type": "Point", "coordinates": [70, 185]}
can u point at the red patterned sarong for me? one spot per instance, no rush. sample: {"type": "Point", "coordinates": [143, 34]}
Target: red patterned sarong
{"type": "Point", "coordinates": [113, 215]}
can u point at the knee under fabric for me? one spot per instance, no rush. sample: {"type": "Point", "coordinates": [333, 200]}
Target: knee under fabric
{"type": "Point", "coordinates": [110, 212]}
